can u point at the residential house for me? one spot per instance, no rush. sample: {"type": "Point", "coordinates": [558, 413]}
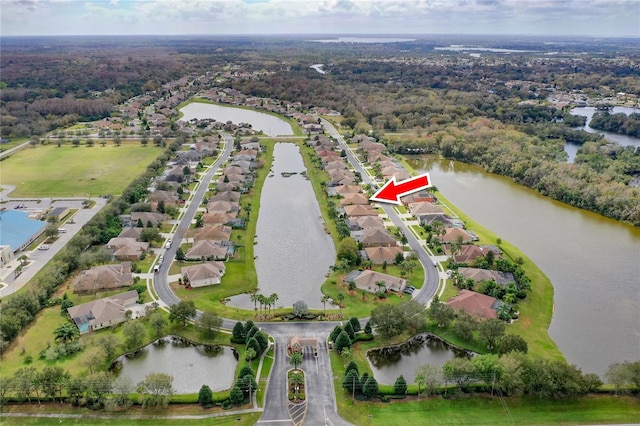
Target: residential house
{"type": "Point", "coordinates": [367, 279]}
{"type": "Point", "coordinates": [217, 218]}
{"type": "Point", "coordinates": [203, 274]}
{"type": "Point", "coordinates": [419, 197]}
{"type": "Point", "coordinates": [445, 219]}
{"type": "Point", "coordinates": [457, 234]}
{"type": "Point", "coordinates": [146, 217]}
{"type": "Point", "coordinates": [478, 275]}
{"type": "Point", "coordinates": [130, 233]}
{"type": "Point", "coordinates": [223, 207]}
{"type": "Point", "coordinates": [372, 237]}
{"type": "Point", "coordinates": [379, 255]}
{"type": "Point", "coordinates": [354, 199]}
{"type": "Point", "coordinates": [422, 208]}
{"type": "Point", "coordinates": [468, 253]}
{"type": "Point", "coordinates": [213, 232]}
{"type": "Point", "coordinates": [127, 248]}
{"type": "Point", "coordinates": [476, 304]}
{"type": "Point", "coordinates": [103, 277]}
{"type": "Point", "coordinates": [208, 249]}
{"type": "Point", "coordinates": [360, 222]}
{"type": "Point", "coordinates": [103, 312]}
{"type": "Point", "coordinates": [357, 210]}
{"type": "Point", "coordinates": [230, 196]}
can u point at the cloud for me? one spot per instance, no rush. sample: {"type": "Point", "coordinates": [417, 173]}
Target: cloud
{"type": "Point", "coordinates": [593, 17]}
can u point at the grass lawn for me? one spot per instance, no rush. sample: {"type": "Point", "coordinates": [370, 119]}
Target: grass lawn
{"type": "Point", "coordinates": [537, 309]}
{"type": "Point", "coordinates": [13, 143]}
{"type": "Point", "coordinates": [70, 171]}
{"type": "Point", "coordinates": [484, 410]}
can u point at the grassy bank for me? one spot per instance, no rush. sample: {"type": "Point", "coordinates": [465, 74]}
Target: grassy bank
{"type": "Point", "coordinates": [69, 171]}
{"type": "Point", "coordinates": [537, 309]}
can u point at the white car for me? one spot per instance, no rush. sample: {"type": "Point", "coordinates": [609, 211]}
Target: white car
{"type": "Point", "coordinates": [43, 247]}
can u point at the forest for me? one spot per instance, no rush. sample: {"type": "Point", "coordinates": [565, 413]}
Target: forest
{"type": "Point", "coordinates": [492, 110]}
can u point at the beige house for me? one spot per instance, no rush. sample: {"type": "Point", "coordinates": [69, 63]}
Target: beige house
{"type": "Point", "coordinates": [204, 274]}
{"type": "Point", "coordinates": [367, 279]}
{"type": "Point", "coordinates": [104, 277]}
{"type": "Point", "coordinates": [104, 312]}
{"type": "Point", "coordinates": [208, 249]}
{"type": "Point", "coordinates": [379, 255]}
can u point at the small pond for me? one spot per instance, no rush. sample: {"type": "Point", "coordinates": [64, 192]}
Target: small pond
{"type": "Point", "coordinates": [190, 365]}
{"type": "Point", "coordinates": [267, 123]}
{"type": "Point", "coordinates": [390, 362]}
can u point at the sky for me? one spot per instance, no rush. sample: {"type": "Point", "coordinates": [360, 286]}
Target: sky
{"type": "Point", "coordinates": [224, 17]}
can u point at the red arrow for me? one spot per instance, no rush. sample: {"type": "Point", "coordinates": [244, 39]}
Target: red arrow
{"type": "Point", "coordinates": [392, 191]}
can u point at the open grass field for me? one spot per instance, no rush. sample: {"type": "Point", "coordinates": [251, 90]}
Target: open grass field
{"type": "Point", "coordinates": [67, 171]}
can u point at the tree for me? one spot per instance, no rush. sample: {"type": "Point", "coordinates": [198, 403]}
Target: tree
{"type": "Point", "coordinates": [262, 341]}
{"type": "Point", "coordinates": [617, 375]}
{"type": "Point", "coordinates": [205, 396]}
{"type": "Point", "coordinates": [348, 250]}
{"type": "Point", "coordinates": [156, 390]}
{"type": "Point", "coordinates": [349, 329]}
{"type": "Point", "coordinates": [109, 344]}
{"type": "Point", "coordinates": [253, 344]}
{"type": "Point", "coordinates": [335, 333]}
{"type": "Point", "coordinates": [340, 299]}
{"type": "Point", "coordinates": [441, 313]}
{"type": "Point", "coordinates": [342, 341]}
{"type": "Point", "coordinates": [487, 368]}
{"type": "Point", "coordinates": [51, 231]}
{"type": "Point", "coordinates": [149, 235]}
{"type": "Point", "coordinates": [324, 299]}
{"type": "Point", "coordinates": [236, 397]}
{"type": "Point", "coordinates": [346, 355]}
{"type": "Point", "coordinates": [370, 388]}
{"type": "Point", "coordinates": [158, 322]}
{"type": "Point", "coordinates": [237, 334]}
{"type": "Point", "coordinates": [300, 309]}
{"type": "Point", "coordinates": [66, 333]}
{"type": "Point", "coordinates": [464, 326]}
{"type": "Point", "coordinates": [52, 380]}
{"type": "Point", "coordinates": [180, 255]}
{"type": "Point", "coordinates": [295, 359]}
{"type": "Point", "coordinates": [355, 323]}
{"type": "Point", "coordinates": [459, 370]}
{"type": "Point", "coordinates": [351, 382]}
{"type": "Point", "coordinates": [491, 330]}
{"type": "Point", "coordinates": [367, 328]}
{"type": "Point", "coordinates": [182, 312]}
{"type": "Point", "coordinates": [400, 386]}
{"type": "Point", "coordinates": [430, 376]}
{"type": "Point", "coordinates": [122, 387]}
{"type": "Point", "coordinates": [97, 387]}
{"type": "Point", "coordinates": [512, 342]}
{"type": "Point", "coordinates": [250, 354]}
{"type": "Point", "coordinates": [352, 366]}
{"type": "Point", "coordinates": [512, 381]}
{"type": "Point", "coordinates": [134, 333]}
{"type": "Point", "coordinates": [388, 320]}
{"type": "Point", "coordinates": [208, 324]}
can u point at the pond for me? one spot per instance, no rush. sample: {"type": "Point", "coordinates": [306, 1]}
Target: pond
{"type": "Point", "coordinates": [293, 250]}
{"type": "Point", "coordinates": [389, 363]}
{"type": "Point", "coordinates": [592, 261]}
{"type": "Point", "coordinates": [269, 124]}
{"type": "Point", "coordinates": [624, 140]}
{"type": "Point", "coordinates": [190, 365]}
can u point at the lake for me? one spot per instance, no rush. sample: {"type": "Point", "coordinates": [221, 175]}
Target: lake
{"type": "Point", "coordinates": [269, 124]}
{"type": "Point", "coordinates": [389, 363]}
{"type": "Point", "coordinates": [588, 112]}
{"type": "Point", "coordinates": [190, 365]}
{"type": "Point", "coordinates": [293, 251]}
{"type": "Point", "coordinates": [593, 262]}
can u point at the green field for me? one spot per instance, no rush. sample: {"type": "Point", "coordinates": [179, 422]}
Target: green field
{"type": "Point", "coordinates": [67, 171]}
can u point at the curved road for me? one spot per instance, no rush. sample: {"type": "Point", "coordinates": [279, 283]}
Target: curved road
{"type": "Point", "coordinates": [430, 284]}
{"type": "Point", "coordinates": [320, 408]}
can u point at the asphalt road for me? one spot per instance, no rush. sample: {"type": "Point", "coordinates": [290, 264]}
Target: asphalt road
{"type": "Point", "coordinates": [430, 283]}
{"type": "Point", "coordinates": [160, 279]}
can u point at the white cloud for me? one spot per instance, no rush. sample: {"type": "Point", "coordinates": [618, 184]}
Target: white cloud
{"type": "Point", "coordinates": [593, 17]}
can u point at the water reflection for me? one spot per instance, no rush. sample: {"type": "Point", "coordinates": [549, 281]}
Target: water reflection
{"type": "Point", "coordinates": [190, 365]}
{"type": "Point", "coordinates": [390, 362]}
{"type": "Point", "coordinates": [592, 261]}
{"type": "Point", "coordinates": [293, 251]}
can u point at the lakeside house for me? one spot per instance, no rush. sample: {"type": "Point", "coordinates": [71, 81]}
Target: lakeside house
{"type": "Point", "coordinates": [104, 312]}
{"type": "Point", "coordinates": [203, 274]}
{"type": "Point", "coordinates": [477, 304]}
{"type": "Point", "coordinates": [479, 275]}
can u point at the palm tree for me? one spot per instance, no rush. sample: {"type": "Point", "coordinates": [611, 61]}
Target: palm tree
{"type": "Point", "coordinates": [340, 300]}
{"type": "Point", "coordinates": [381, 285]}
{"type": "Point", "coordinates": [254, 298]}
{"type": "Point", "coordinates": [438, 228]}
{"type": "Point", "coordinates": [273, 299]}
{"type": "Point", "coordinates": [296, 359]}
{"type": "Point", "coordinates": [324, 301]}
{"type": "Point", "coordinates": [67, 332]}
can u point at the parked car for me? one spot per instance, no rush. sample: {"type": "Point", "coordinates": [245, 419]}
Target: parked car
{"type": "Point", "coordinates": [408, 290]}
{"type": "Point", "coordinates": [43, 247]}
